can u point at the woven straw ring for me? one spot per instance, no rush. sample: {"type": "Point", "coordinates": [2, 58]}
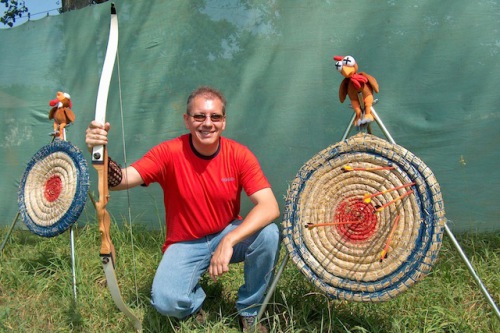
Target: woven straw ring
{"type": "Point", "coordinates": [53, 189]}
{"type": "Point", "coordinates": [364, 219]}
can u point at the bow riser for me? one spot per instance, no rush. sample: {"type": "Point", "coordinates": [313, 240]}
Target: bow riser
{"type": "Point", "coordinates": [107, 248]}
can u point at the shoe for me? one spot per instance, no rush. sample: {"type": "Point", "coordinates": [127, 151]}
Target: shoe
{"type": "Point", "coordinates": [200, 317]}
{"type": "Point", "coordinates": [249, 324]}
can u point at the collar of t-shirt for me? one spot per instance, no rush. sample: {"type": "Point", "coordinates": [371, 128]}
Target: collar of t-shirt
{"type": "Point", "coordinates": [209, 157]}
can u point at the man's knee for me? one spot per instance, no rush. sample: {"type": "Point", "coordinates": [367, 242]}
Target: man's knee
{"type": "Point", "coordinates": [269, 237]}
{"type": "Point", "coordinates": [169, 303]}
{"type": "Point", "coordinates": [272, 233]}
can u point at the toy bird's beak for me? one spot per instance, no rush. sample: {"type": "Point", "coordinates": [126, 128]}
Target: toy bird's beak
{"type": "Point", "coordinates": [347, 71]}
{"type": "Point", "coordinates": [54, 102]}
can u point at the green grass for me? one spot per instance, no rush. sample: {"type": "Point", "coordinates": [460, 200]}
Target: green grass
{"type": "Point", "coordinates": [36, 293]}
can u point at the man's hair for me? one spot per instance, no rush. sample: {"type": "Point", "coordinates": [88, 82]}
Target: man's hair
{"type": "Point", "coordinates": [207, 92]}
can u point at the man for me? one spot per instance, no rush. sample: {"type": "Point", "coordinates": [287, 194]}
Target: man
{"type": "Point", "coordinates": [202, 175]}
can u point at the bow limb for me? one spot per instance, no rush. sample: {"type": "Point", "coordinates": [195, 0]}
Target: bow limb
{"type": "Point", "coordinates": [100, 163]}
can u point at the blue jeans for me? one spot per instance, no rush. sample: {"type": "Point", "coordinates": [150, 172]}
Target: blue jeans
{"type": "Point", "coordinates": [176, 290]}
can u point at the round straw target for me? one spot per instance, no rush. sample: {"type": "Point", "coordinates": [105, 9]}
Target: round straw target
{"type": "Point", "coordinates": [364, 219]}
{"type": "Point", "coordinates": [53, 189]}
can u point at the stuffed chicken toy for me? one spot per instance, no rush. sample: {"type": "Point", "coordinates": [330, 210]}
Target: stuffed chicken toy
{"type": "Point", "coordinates": [358, 86]}
{"type": "Point", "coordinates": [61, 113]}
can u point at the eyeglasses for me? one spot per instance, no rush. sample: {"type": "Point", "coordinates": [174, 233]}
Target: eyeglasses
{"type": "Point", "coordinates": [215, 118]}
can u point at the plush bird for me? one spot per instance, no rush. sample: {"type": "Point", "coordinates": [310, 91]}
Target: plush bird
{"type": "Point", "coordinates": [61, 113]}
{"type": "Point", "coordinates": [358, 86]}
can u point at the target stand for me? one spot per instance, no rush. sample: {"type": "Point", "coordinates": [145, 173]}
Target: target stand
{"type": "Point", "coordinates": [52, 193]}
{"type": "Point", "coordinates": [364, 220]}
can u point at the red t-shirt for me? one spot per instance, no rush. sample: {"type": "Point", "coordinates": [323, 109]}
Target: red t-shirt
{"type": "Point", "coordinates": [201, 194]}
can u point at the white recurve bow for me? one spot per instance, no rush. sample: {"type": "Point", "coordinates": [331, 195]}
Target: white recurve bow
{"type": "Point", "coordinates": [100, 163]}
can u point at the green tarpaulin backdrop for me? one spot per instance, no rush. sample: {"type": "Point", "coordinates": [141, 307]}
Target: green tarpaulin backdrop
{"type": "Point", "coordinates": [436, 63]}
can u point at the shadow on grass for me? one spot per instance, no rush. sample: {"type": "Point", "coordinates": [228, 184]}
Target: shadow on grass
{"type": "Point", "coordinates": [74, 318]}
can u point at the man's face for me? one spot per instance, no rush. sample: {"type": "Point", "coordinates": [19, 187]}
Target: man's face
{"type": "Point", "coordinates": [205, 122]}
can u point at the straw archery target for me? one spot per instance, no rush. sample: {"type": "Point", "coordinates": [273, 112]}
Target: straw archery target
{"type": "Point", "coordinates": [53, 189]}
{"type": "Point", "coordinates": [364, 219]}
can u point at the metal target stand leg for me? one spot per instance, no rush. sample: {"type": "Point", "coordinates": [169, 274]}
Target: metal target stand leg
{"type": "Point", "coordinates": [367, 127]}
{"type": "Point", "coordinates": [73, 260]}
{"type": "Point", "coordinates": [272, 287]}
{"type": "Point", "coordinates": [8, 233]}
{"type": "Point", "coordinates": [72, 249]}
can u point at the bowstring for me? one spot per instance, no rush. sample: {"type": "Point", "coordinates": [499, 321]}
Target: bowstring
{"type": "Point", "coordinates": [126, 177]}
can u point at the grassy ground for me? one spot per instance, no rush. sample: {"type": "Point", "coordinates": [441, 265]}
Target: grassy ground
{"type": "Point", "coordinates": [36, 292]}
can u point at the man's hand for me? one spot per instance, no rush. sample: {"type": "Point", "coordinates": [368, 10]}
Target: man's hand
{"type": "Point", "coordinates": [96, 134]}
{"type": "Point", "coordinates": [266, 209]}
{"type": "Point", "coordinates": [219, 264]}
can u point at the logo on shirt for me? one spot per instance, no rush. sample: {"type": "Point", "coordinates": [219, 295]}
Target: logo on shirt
{"type": "Point", "coordinates": [227, 180]}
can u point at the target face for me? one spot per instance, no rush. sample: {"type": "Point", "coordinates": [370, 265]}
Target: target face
{"type": "Point", "coordinates": [53, 189]}
{"type": "Point", "coordinates": [364, 219]}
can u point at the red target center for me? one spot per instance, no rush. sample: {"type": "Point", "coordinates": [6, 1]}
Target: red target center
{"type": "Point", "coordinates": [356, 220]}
{"type": "Point", "coordinates": [53, 188]}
